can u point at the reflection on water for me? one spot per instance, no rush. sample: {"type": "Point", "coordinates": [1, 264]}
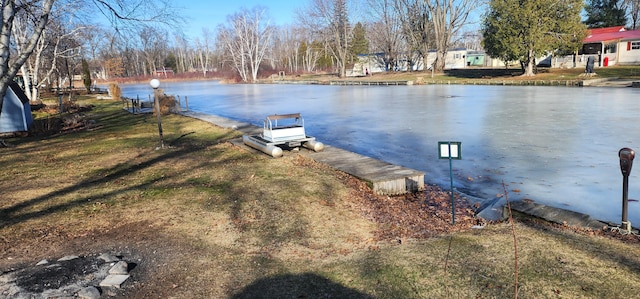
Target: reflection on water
{"type": "Point", "coordinates": [555, 145]}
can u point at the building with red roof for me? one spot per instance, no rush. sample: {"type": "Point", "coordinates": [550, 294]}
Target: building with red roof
{"type": "Point", "coordinates": [613, 46]}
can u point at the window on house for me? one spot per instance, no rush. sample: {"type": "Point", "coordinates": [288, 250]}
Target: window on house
{"type": "Point", "coordinates": [610, 48]}
{"type": "Point", "coordinates": [590, 49]}
{"type": "Point", "coordinates": [456, 56]}
{"type": "Point", "coordinates": [635, 45]}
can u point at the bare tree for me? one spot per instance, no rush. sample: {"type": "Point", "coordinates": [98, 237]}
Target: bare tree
{"type": "Point", "coordinates": [246, 41]}
{"type": "Point", "coordinates": [448, 17]}
{"type": "Point", "coordinates": [56, 42]}
{"type": "Point", "coordinates": [285, 49]}
{"type": "Point", "coordinates": [203, 51]}
{"type": "Point", "coordinates": [386, 30]}
{"type": "Point", "coordinates": [154, 47]}
{"type": "Point", "coordinates": [294, 51]}
{"type": "Point", "coordinates": [183, 64]}
{"type": "Point", "coordinates": [9, 65]}
{"type": "Point", "coordinates": [470, 40]}
{"type": "Point", "coordinates": [93, 39]}
{"type": "Point", "coordinates": [121, 12]}
{"type": "Point", "coordinates": [329, 19]}
{"type": "Point", "coordinates": [633, 12]}
{"type": "Point", "coordinates": [417, 27]}
{"type": "Point", "coordinates": [302, 51]}
{"type": "Point", "coordinates": [310, 54]}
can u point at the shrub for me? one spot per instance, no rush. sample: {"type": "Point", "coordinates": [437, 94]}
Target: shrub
{"type": "Point", "coordinates": [114, 91]}
{"type": "Point", "coordinates": [168, 104]}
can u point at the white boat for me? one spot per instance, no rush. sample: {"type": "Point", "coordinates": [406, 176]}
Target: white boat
{"type": "Point", "coordinates": [282, 131]}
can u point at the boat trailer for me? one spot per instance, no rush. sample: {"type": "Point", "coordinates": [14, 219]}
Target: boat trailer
{"type": "Point", "coordinates": [282, 131]}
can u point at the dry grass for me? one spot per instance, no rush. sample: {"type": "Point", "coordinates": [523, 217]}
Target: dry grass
{"type": "Point", "coordinates": [207, 219]}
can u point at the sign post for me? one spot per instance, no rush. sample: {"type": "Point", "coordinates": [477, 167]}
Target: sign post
{"type": "Point", "coordinates": [450, 150]}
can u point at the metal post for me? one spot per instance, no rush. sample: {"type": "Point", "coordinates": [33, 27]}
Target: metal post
{"type": "Point", "coordinates": [61, 104]}
{"type": "Point", "coordinates": [625, 203]}
{"type": "Point", "coordinates": [626, 156]}
{"type": "Point", "coordinates": [453, 201]}
{"type": "Point", "coordinates": [445, 152]}
{"type": "Point", "coordinates": [157, 104]}
{"type": "Point", "coordinates": [186, 102]}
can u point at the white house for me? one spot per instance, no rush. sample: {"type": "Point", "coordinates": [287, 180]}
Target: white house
{"type": "Point", "coordinates": [611, 46]}
{"type": "Point", "coordinates": [375, 63]}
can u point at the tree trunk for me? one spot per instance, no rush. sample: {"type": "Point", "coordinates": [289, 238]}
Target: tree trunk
{"type": "Point", "coordinates": [528, 72]}
{"type": "Point", "coordinates": [9, 69]}
{"type": "Point", "coordinates": [440, 60]}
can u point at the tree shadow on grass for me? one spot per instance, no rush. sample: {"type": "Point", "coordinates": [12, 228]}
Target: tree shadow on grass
{"type": "Point", "coordinates": [10, 215]}
{"type": "Point", "coordinates": [22, 211]}
{"type": "Point", "coordinates": [306, 285]}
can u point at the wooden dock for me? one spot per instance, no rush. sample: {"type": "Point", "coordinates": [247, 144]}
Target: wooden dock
{"type": "Point", "coordinates": [382, 177]}
{"type": "Point", "coordinates": [384, 83]}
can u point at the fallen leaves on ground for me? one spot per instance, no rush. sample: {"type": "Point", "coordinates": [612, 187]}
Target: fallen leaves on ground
{"type": "Point", "coordinates": [422, 214]}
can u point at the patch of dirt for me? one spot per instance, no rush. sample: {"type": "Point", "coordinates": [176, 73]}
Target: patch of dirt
{"type": "Point", "coordinates": [413, 215]}
{"type": "Point", "coordinates": [54, 279]}
{"type": "Point", "coordinates": [416, 215]}
{"type": "Point", "coordinates": [150, 255]}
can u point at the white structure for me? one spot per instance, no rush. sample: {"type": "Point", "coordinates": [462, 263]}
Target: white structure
{"type": "Point", "coordinates": [375, 63]}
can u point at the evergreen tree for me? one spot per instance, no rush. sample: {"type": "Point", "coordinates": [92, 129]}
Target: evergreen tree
{"type": "Point", "coordinates": [605, 13]}
{"type": "Point", "coordinates": [525, 29]}
{"type": "Point", "coordinates": [340, 28]}
{"type": "Point", "coordinates": [359, 43]}
{"type": "Point", "coordinates": [86, 75]}
{"type": "Point", "coordinates": [171, 62]}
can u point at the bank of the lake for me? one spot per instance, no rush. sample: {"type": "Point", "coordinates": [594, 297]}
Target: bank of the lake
{"type": "Point", "coordinates": [203, 218]}
{"type": "Point", "coordinates": [519, 134]}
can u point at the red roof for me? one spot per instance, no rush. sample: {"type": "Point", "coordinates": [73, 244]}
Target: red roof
{"type": "Point", "coordinates": [611, 34]}
{"type": "Point", "coordinates": [606, 30]}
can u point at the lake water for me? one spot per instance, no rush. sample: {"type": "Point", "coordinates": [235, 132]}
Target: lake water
{"type": "Point", "coordinates": [555, 145]}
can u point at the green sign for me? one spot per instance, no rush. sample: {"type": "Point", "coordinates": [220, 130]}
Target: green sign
{"type": "Point", "coordinates": [450, 150]}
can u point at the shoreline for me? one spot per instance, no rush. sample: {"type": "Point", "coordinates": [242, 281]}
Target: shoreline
{"type": "Point", "coordinates": [497, 209]}
{"type": "Point", "coordinates": [615, 76]}
{"type": "Point", "coordinates": [526, 208]}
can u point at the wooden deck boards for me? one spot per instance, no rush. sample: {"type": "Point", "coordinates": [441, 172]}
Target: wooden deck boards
{"type": "Point", "coordinates": [383, 178]}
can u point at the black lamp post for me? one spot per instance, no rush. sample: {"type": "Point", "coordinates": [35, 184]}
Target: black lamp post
{"type": "Point", "coordinates": [626, 156]}
{"type": "Point", "coordinates": [155, 83]}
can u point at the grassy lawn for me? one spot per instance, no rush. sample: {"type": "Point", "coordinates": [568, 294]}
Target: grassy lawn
{"type": "Point", "coordinates": [204, 218]}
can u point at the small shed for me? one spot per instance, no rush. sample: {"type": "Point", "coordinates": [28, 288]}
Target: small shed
{"type": "Point", "coordinates": [16, 110]}
{"type": "Point", "coordinates": [475, 58]}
